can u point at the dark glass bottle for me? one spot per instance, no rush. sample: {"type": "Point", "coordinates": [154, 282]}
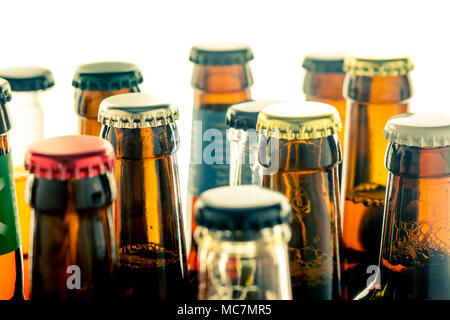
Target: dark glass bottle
{"type": "Point", "coordinates": [221, 78]}
{"type": "Point", "coordinates": [71, 189]}
{"type": "Point", "coordinates": [300, 154]}
{"type": "Point", "coordinates": [148, 213]}
{"type": "Point", "coordinates": [242, 236]}
{"type": "Point", "coordinates": [11, 261]}
{"type": "Point", "coordinates": [375, 90]}
{"type": "Point", "coordinates": [97, 81]}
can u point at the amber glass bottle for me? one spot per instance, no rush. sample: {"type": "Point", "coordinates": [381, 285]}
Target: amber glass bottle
{"type": "Point", "coordinates": [71, 188]}
{"type": "Point", "coordinates": [148, 214]}
{"type": "Point", "coordinates": [323, 82]}
{"type": "Point", "coordinates": [375, 90]}
{"type": "Point", "coordinates": [415, 251]}
{"type": "Point", "coordinates": [97, 81]}
{"type": "Point", "coordinates": [27, 86]}
{"type": "Point", "coordinates": [11, 262]}
{"type": "Point", "coordinates": [300, 154]}
{"type": "Point", "coordinates": [221, 78]}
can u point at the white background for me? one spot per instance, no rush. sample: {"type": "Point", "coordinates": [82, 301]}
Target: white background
{"type": "Point", "coordinates": [157, 36]}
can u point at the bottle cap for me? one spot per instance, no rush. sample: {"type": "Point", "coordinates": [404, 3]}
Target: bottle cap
{"type": "Point", "coordinates": [244, 115]}
{"type": "Point", "coordinates": [299, 120]}
{"type": "Point", "coordinates": [107, 76]}
{"type": "Point", "coordinates": [324, 62]}
{"type": "Point", "coordinates": [136, 110]}
{"type": "Point", "coordinates": [370, 67]}
{"type": "Point", "coordinates": [28, 78]}
{"type": "Point", "coordinates": [5, 96]}
{"type": "Point", "coordinates": [241, 208]}
{"type": "Point", "coordinates": [70, 157]}
{"type": "Point", "coordinates": [419, 130]}
{"type": "Point", "coordinates": [221, 53]}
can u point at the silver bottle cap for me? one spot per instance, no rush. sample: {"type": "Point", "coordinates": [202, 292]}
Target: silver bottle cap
{"type": "Point", "coordinates": [136, 111]}
{"type": "Point", "coordinates": [419, 130]}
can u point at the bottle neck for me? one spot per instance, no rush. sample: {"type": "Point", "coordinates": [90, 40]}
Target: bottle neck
{"type": "Point", "coordinates": [4, 145]}
{"type": "Point", "coordinates": [378, 89]}
{"type": "Point", "coordinates": [323, 86]}
{"type": "Point", "coordinates": [418, 163]}
{"type": "Point", "coordinates": [87, 102]}
{"type": "Point", "coordinates": [244, 166]}
{"type": "Point", "coordinates": [145, 143]}
{"type": "Point", "coordinates": [300, 155]}
{"type": "Point", "coordinates": [244, 265]}
{"type": "Point", "coordinates": [75, 195]}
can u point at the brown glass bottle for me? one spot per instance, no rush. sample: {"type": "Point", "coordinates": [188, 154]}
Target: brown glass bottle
{"type": "Point", "coordinates": [70, 189]}
{"type": "Point", "coordinates": [323, 82]}
{"type": "Point", "coordinates": [375, 90]}
{"type": "Point", "coordinates": [303, 154]}
{"type": "Point", "coordinates": [11, 261]}
{"type": "Point", "coordinates": [221, 78]}
{"type": "Point", "coordinates": [97, 81]}
{"type": "Point", "coordinates": [415, 252]}
{"type": "Point", "coordinates": [152, 251]}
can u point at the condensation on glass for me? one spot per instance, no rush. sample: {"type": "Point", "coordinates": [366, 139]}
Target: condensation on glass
{"type": "Point", "coordinates": [375, 90]}
{"type": "Point", "coordinates": [242, 237]}
{"type": "Point", "coordinates": [148, 212]}
{"type": "Point", "coordinates": [300, 154]}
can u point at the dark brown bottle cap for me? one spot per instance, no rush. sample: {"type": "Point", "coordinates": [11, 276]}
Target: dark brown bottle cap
{"type": "Point", "coordinates": [221, 53]}
{"type": "Point", "coordinates": [28, 78]}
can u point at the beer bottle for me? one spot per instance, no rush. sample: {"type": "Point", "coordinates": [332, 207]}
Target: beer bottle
{"type": "Point", "coordinates": [243, 139]}
{"type": "Point", "coordinates": [415, 251]}
{"type": "Point", "coordinates": [27, 85]}
{"type": "Point", "coordinates": [323, 82]}
{"type": "Point", "coordinates": [299, 154]}
{"type": "Point", "coordinates": [11, 262]}
{"type": "Point", "coordinates": [221, 78]}
{"type": "Point", "coordinates": [97, 81]}
{"type": "Point", "coordinates": [152, 250]}
{"type": "Point", "coordinates": [375, 90]}
{"type": "Point", "coordinates": [70, 189]}
{"type": "Point", "coordinates": [242, 235]}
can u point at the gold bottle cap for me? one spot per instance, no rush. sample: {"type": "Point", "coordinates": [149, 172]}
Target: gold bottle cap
{"type": "Point", "coordinates": [419, 130]}
{"type": "Point", "coordinates": [377, 66]}
{"type": "Point", "coordinates": [136, 110]}
{"type": "Point", "coordinates": [299, 120]}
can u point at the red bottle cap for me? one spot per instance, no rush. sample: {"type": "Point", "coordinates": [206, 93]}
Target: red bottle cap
{"type": "Point", "coordinates": [70, 157]}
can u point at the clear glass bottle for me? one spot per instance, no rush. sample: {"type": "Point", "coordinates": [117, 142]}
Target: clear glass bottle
{"type": "Point", "coordinates": [376, 89]}
{"type": "Point", "coordinates": [414, 262]}
{"type": "Point", "coordinates": [244, 141]}
{"type": "Point", "coordinates": [27, 85]}
{"type": "Point", "coordinates": [71, 189]}
{"type": "Point", "coordinates": [11, 261]}
{"type": "Point", "coordinates": [242, 234]}
{"type": "Point", "coordinates": [148, 212]}
{"type": "Point", "coordinates": [97, 81]}
{"type": "Point", "coordinates": [221, 78]}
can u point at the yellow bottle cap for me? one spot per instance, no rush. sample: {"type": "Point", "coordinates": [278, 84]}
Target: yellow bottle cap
{"type": "Point", "coordinates": [370, 67]}
{"type": "Point", "coordinates": [299, 120]}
